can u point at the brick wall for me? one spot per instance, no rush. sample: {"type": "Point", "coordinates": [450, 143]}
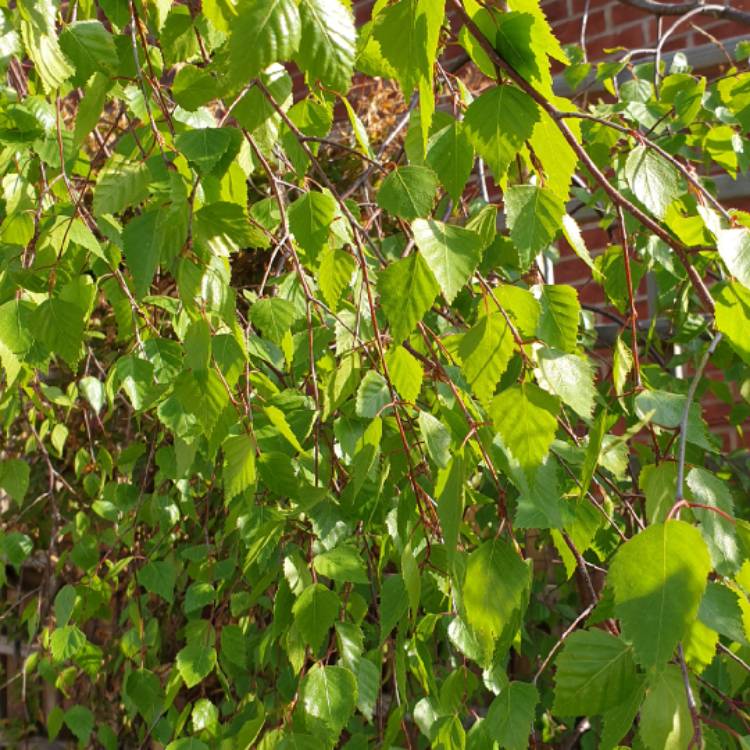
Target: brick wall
{"type": "Point", "coordinates": [610, 23]}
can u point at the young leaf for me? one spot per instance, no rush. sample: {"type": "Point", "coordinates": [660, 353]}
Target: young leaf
{"type": "Point", "coordinates": [494, 567]}
{"type": "Point", "coordinates": [39, 34]}
{"type": "Point", "coordinates": [449, 491]}
{"type": "Point", "coordinates": [334, 274]}
{"type": "Point", "coordinates": [569, 377]}
{"type": "Point", "coordinates": [310, 219]}
{"type": "Point", "coordinates": [558, 321]}
{"type": "Point", "coordinates": [485, 351]}
{"type": "Point", "coordinates": [451, 156]}
{"type": "Point", "coordinates": [734, 249]}
{"type": "Point", "coordinates": [655, 182]}
{"type": "Point", "coordinates": [733, 316]}
{"type": "Point", "coordinates": [436, 437]}
{"type": "Point", "coordinates": [239, 465]}
{"type": "Point", "coordinates": [451, 252]}
{"type": "Point", "coordinates": [263, 32]}
{"type": "Point", "coordinates": [534, 217]}
{"type": "Point", "coordinates": [498, 123]}
{"type": "Point", "coordinates": [329, 694]}
{"type": "Point", "coordinates": [407, 290]}
{"type": "Point", "coordinates": [315, 612]}
{"type": "Point", "coordinates": [525, 417]}
{"type": "Point", "coordinates": [195, 662]}
{"type": "Point", "coordinates": [327, 42]}
{"type": "Point", "coordinates": [406, 373]}
{"type": "Point", "coordinates": [408, 192]}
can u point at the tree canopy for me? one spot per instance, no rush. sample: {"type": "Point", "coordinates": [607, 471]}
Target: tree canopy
{"type": "Point", "coordinates": [303, 446]}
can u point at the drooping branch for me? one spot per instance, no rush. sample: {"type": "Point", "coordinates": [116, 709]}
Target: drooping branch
{"type": "Point", "coordinates": [658, 8]}
{"type": "Point", "coordinates": [615, 195]}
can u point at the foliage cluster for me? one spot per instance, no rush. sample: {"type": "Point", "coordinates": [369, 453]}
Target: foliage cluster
{"type": "Point", "coordinates": [299, 448]}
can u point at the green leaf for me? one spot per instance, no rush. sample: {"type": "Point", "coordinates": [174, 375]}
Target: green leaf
{"type": "Point", "coordinates": [143, 239]}
{"type": "Point", "coordinates": [718, 532]}
{"type": "Point", "coordinates": [204, 147]}
{"type": "Point", "coordinates": [193, 87]}
{"type": "Point", "coordinates": [407, 290]}
{"type": "Point", "coordinates": [310, 218]}
{"type": "Point", "coordinates": [522, 307]}
{"type": "Point", "coordinates": [497, 124]}
{"type": "Point", "coordinates": [80, 721]}
{"type": "Point", "coordinates": [407, 32]}
{"type": "Point", "coordinates": [274, 317]}
{"type": "Point", "coordinates": [494, 567]}
{"type": "Point", "coordinates": [539, 503]}
{"type": "Point", "coordinates": [39, 34]}
{"type": "Point", "coordinates": [342, 563]}
{"type": "Point", "coordinates": [665, 717]}
{"type": "Point", "coordinates": [65, 601]}
{"type": "Point", "coordinates": [659, 577]}
{"type": "Point", "coordinates": [195, 662]}
{"type": "Point", "coordinates": [720, 610]}
{"type": "Point", "coordinates": [485, 351]}
{"type": "Point", "coordinates": [263, 32]}
{"type": "Point", "coordinates": [394, 602]}
{"type": "Point", "coordinates": [451, 252]}
{"type": "Point", "coordinates": [734, 249]}
{"type": "Point", "coordinates": [335, 274]}
{"type": "Point", "coordinates": [556, 155]}
{"type": "Point", "coordinates": [733, 316]}
{"type": "Point", "coordinates": [569, 377]}
{"type": "Point", "coordinates": [120, 185]}
{"type": "Point", "coordinates": [408, 192]}
{"type": "Point", "coordinates": [144, 689]}
{"type": "Point", "coordinates": [90, 47]}
{"type": "Point", "coordinates": [14, 478]}
{"type": "Point", "coordinates": [15, 548]}
{"type": "Point", "coordinates": [525, 417]}
{"type": "Point", "coordinates": [234, 645]}
{"type": "Point", "coordinates": [451, 156]}
{"type": "Point", "coordinates": [66, 642]}
{"type": "Point", "coordinates": [655, 182]}
{"type": "Point", "coordinates": [511, 715]}
{"type": "Point", "coordinates": [534, 216]}
{"type": "Point", "coordinates": [558, 321]}
{"type": "Point", "coordinates": [449, 492]}
{"type": "Point", "coordinates": [91, 107]}
{"type": "Point", "coordinates": [93, 390]}
{"type": "Point", "coordinates": [315, 611]}
{"type": "Point", "coordinates": [59, 325]}
{"type": "Point", "coordinates": [159, 577]}
{"type": "Point", "coordinates": [327, 42]}
{"type": "Point", "coordinates": [659, 484]}
{"type": "Point", "coordinates": [222, 227]}
{"type": "Point", "coordinates": [373, 395]}
{"type": "Point", "coordinates": [329, 694]}
{"type": "Point", "coordinates": [437, 438]}
{"type": "Point", "coordinates": [406, 373]}
{"type": "Point", "coordinates": [619, 720]}
{"type": "Point", "coordinates": [595, 671]}
{"type": "Point", "coordinates": [239, 465]}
